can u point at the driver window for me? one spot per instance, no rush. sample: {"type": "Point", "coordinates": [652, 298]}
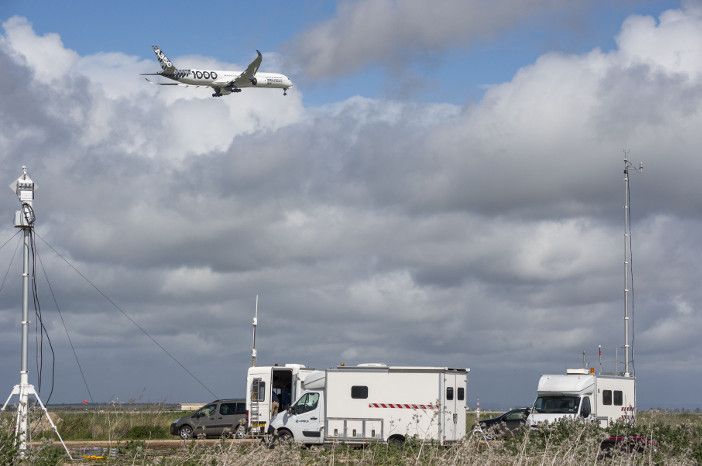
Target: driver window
{"type": "Point", "coordinates": [307, 402]}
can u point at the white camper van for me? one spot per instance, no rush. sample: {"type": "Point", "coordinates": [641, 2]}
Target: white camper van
{"type": "Point", "coordinates": [583, 394]}
{"type": "Point", "coordinates": [376, 403]}
{"type": "Point", "coordinates": [267, 383]}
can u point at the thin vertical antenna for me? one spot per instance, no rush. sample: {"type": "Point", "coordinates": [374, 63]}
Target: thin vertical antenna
{"type": "Point", "coordinates": [254, 323]}
{"type": "Point", "coordinates": [628, 271]}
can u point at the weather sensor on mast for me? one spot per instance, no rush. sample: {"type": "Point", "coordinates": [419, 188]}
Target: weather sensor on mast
{"type": "Point", "coordinates": [24, 219]}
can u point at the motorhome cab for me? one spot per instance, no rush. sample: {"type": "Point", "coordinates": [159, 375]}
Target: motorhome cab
{"type": "Point", "coordinates": [267, 383]}
{"type": "Point", "coordinates": [583, 394]}
{"type": "Point", "coordinates": [376, 403]}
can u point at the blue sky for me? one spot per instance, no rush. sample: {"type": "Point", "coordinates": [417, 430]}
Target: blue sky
{"type": "Point", "coordinates": [395, 187]}
{"type": "Point", "coordinates": [231, 31]}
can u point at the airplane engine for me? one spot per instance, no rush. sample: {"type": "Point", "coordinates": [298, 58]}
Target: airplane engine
{"type": "Point", "coordinates": [254, 81]}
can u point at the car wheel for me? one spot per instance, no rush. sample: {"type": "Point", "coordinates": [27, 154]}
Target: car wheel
{"type": "Point", "coordinates": [185, 432]}
{"type": "Point", "coordinates": [240, 432]}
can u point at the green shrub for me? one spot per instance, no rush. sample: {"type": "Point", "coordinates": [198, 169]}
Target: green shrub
{"type": "Point", "coordinates": [145, 432]}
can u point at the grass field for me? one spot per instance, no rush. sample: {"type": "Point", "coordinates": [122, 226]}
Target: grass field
{"type": "Point", "coordinates": [676, 438]}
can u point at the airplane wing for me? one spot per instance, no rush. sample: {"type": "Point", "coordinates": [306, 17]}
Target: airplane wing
{"type": "Point", "coordinates": [167, 84]}
{"type": "Point", "coordinates": [247, 75]}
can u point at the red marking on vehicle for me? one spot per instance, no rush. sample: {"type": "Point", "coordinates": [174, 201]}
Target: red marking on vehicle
{"type": "Point", "coordinates": [400, 406]}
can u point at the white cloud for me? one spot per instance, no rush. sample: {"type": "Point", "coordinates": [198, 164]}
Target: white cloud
{"type": "Point", "coordinates": [45, 55]}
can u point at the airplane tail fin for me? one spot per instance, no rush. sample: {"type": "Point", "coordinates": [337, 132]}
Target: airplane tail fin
{"type": "Point", "coordinates": [166, 64]}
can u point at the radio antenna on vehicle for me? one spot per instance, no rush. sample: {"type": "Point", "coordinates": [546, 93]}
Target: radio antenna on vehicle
{"type": "Point", "coordinates": [254, 324]}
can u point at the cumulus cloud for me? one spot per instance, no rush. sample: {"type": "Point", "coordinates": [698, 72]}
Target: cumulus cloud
{"type": "Point", "coordinates": [390, 32]}
{"type": "Point", "coordinates": [486, 236]}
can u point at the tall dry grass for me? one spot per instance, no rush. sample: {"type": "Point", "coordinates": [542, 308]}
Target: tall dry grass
{"type": "Point", "coordinates": [669, 439]}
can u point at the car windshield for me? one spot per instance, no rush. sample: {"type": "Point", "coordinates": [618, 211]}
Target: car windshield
{"type": "Point", "coordinates": [515, 415]}
{"type": "Point", "coordinates": [557, 404]}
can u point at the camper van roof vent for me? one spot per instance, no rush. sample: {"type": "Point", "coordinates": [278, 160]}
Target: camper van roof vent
{"type": "Point", "coordinates": [372, 364]}
{"type": "Point", "coordinates": [577, 371]}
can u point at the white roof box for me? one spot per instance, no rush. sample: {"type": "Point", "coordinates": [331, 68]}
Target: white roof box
{"type": "Point", "coordinates": [582, 371]}
{"type": "Point", "coordinates": [314, 380]}
{"type": "Point", "coordinates": [295, 366]}
{"type": "Point", "coordinates": [372, 364]}
{"type": "Point", "coordinates": [571, 383]}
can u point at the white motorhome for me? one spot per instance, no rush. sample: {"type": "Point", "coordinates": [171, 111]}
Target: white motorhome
{"type": "Point", "coordinates": [583, 394]}
{"type": "Point", "coordinates": [267, 383]}
{"type": "Point", "coordinates": [376, 403]}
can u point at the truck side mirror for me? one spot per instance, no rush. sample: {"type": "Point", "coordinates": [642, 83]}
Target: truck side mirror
{"type": "Point", "coordinates": [585, 411]}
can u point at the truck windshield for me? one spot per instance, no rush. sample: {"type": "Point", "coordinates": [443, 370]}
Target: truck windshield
{"type": "Point", "coordinates": [560, 404]}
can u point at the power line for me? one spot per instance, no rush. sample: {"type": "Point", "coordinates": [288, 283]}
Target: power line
{"type": "Point", "coordinates": [65, 328]}
{"type": "Point", "coordinates": [42, 327]}
{"type": "Point", "coordinates": [12, 260]}
{"type": "Point", "coordinates": [10, 239]}
{"type": "Point", "coordinates": [124, 313]}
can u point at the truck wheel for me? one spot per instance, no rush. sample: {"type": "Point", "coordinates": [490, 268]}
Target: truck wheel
{"type": "Point", "coordinates": [396, 440]}
{"type": "Point", "coordinates": [285, 437]}
{"type": "Point", "coordinates": [185, 432]}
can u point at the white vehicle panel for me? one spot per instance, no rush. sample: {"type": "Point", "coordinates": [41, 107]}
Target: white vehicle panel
{"type": "Point", "coordinates": [612, 406]}
{"type": "Point", "coordinates": [365, 404]}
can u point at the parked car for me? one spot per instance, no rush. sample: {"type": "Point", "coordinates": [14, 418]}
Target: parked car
{"type": "Point", "coordinates": [216, 419]}
{"type": "Point", "coordinates": [509, 421]}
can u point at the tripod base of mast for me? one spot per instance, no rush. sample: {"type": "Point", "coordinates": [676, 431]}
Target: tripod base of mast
{"type": "Point", "coordinates": [23, 392]}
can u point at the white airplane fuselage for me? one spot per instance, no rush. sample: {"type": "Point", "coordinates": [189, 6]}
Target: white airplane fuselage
{"type": "Point", "coordinates": [221, 79]}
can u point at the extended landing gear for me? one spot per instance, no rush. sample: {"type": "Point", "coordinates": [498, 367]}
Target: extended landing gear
{"type": "Point", "coordinates": [216, 94]}
{"type": "Point", "coordinates": [285, 91]}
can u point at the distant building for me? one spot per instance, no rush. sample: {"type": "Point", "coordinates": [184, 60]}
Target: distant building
{"type": "Point", "coordinates": [191, 406]}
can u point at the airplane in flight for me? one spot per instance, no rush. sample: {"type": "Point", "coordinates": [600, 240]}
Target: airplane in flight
{"type": "Point", "coordinates": [223, 82]}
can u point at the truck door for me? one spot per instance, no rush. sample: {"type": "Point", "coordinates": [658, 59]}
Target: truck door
{"type": "Point", "coordinates": [449, 429]}
{"type": "Point", "coordinates": [461, 397]}
{"type": "Point", "coordinates": [260, 396]}
{"type": "Point", "coordinates": [304, 418]}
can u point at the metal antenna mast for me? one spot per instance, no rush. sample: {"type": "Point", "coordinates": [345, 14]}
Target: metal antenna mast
{"type": "Point", "coordinates": [24, 219]}
{"type": "Point", "coordinates": [254, 323]}
{"type": "Point", "coordinates": [628, 272]}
